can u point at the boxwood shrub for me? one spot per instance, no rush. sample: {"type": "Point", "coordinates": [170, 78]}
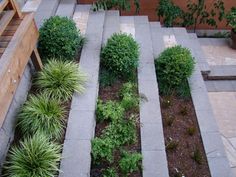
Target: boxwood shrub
{"type": "Point", "coordinates": [120, 55]}
{"type": "Point", "coordinates": [59, 38]}
{"type": "Point", "coordinates": [173, 67]}
{"type": "Point", "coordinates": [34, 156]}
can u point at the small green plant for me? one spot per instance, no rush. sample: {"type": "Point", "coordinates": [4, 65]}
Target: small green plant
{"type": "Point", "coordinates": [169, 120]}
{"type": "Point", "coordinates": [60, 79]}
{"type": "Point", "coordinates": [128, 88]}
{"type": "Point", "coordinates": [173, 66]}
{"type": "Point", "coordinates": [231, 18]}
{"type": "Point", "coordinates": [122, 132]}
{"type": "Point", "coordinates": [197, 156]}
{"type": "Point", "coordinates": [130, 162]}
{"type": "Point", "coordinates": [34, 156]}
{"type": "Point", "coordinates": [110, 172]}
{"type": "Point", "coordinates": [183, 111]}
{"type": "Point", "coordinates": [120, 55]}
{"type": "Point", "coordinates": [102, 149]}
{"type": "Point", "coordinates": [42, 114]}
{"type": "Point", "coordinates": [59, 38]}
{"type": "Point", "coordinates": [106, 78]}
{"type": "Point", "coordinates": [172, 145]}
{"type": "Point", "coordinates": [110, 110]}
{"type": "Point", "coordinates": [191, 131]}
{"type": "Point", "coordinates": [168, 11]}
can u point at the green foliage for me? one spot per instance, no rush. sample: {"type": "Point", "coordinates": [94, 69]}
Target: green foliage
{"type": "Point", "coordinates": [172, 145]}
{"type": "Point", "coordinates": [117, 4]}
{"type": "Point", "coordinates": [130, 98]}
{"type": "Point", "coordinates": [59, 38]}
{"type": "Point", "coordinates": [120, 55]}
{"type": "Point", "coordinates": [42, 114]}
{"type": "Point", "coordinates": [184, 111]}
{"type": "Point", "coordinates": [36, 157]}
{"type": "Point", "coordinates": [122, 132]}
{"type": "Point", "coordinates": [106, 78]}
{"type": "Point", "coordinates": [231, 18]}
{"type": "Point", "coordinates": [173, 66]}
{"type": "Point", "coordinates": [168, 11]}
{"type": "Point", "coordinates": [191, 131]}
{"type": "Point", "coordinates": [110, 110]}
{"type": "Point", "coordinates": [130, 162]}
{"type": "Point", "coordinates": [197, 156]}
{"type": "Point", "coordinates": [60, 79]}
{"type": "Point", "coordinates": [183, 90]}
{"type": "Point", "coordinates": [110, 172]}
{"type": "Point", "coordinates": [102, 149]}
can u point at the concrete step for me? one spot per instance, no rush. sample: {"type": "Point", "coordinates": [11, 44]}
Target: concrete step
{"type": "Point", "coordinates": [222, 72]}
{"type": "Point", "coordinates": [152, 138]}
{"type": "Point", "coordinates": [46, 9]}
{"type": "Point", "coordinates": [66, 8]}
{"type": "Point", "coordinates": [81, 16]}
{"type": "Point", "coordinates": [111, 25]}
{"type": "Point", "coordinates": [221, 85]}
{"type": "Point", "coordinates": [81, 124]}
{"type": "Point", "coordinates": [127, 25]}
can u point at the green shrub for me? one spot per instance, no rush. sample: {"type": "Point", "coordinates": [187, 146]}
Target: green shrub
{"type": "Point", "coordinates": [36, 157]}
{"type": "Point", "coordinates": [128, 88]}
{"type": "Point", "coordinates": [102, 149]}
{"type": "Point", "coordinates": [122, 132]}
{"type": "Point", "coordinates": [106, 78]}
{"type": "Point", "coordinates": [60, 79]}
{"type": "Point", "coordinates": [110, 110]}
{"type": "Point", "coordinates": [173, 67]}
{"type": "Point", "coordinates": [120, 55]}
{"type": "Point", "coordinates": [110, 172]}
{"type": "Point", "coordinates": [59, 38]}
{"type": "Point", "coordinates": [231, 16]}
{"type": "Point", "coordinates": [42, 114]}
{"type": "Point", "coordinates": [183, 90]}
{"type": "Point", "coordinates": [130, 162]}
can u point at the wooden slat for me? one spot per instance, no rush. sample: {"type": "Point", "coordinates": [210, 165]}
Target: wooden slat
{"type": "Point", "coordinates": [3, 44]}
{"type": "Point", "coordinates": [2, 50]}
{"type": "Point", "coordinates": [5, 38]}
{"type": "Point", "coordinates": [15, 21]}
{"type": "Point", "coordinates": [12, 27]}
{"type": "Point", "coordinates": [16, 7]}
{"type": "Point", "coordinates": [14, 60]}
{"type": "Point", "coordinates": [8, 33]}
{"type": "Point", "coordinates": [36, 59]}
{"type": "Point", "coordinates": [3, 4]}
{"type": "Point", "coordinates": [6, 18]}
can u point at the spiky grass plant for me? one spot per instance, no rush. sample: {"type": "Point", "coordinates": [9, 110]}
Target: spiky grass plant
{"type": "Point", "coordinates": [42, 114]}
{"type": "Point", "coordinates": [60, 79]}
{"type": "Point", "coordinates": [35, 157]}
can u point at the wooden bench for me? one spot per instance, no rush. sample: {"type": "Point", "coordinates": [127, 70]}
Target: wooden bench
{"type": "Point", "coordinates": [18, 39]}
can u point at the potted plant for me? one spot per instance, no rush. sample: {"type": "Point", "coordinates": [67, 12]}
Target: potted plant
{"type": "Point", "coordinates": [231, 18]}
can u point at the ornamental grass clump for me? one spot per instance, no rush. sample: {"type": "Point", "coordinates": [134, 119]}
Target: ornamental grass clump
{"type": "Point", "coordinates": [42, 114]}
{"type": "Point", "coordinates": [120, 55]}
{"type": "Point", "coordinates": [59, 38]}
{"type": "Point", "coordinates": [60, 79]}
{"type": "Point", "coordinates": [173, 67]}
{"type": "Point", "coordinates": [35, 157]}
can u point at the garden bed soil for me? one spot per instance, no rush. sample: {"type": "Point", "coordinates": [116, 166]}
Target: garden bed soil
{"type": "Point", "coordinates": [112, 93]}
{"type": "Point", "coordinates": [185, 131]}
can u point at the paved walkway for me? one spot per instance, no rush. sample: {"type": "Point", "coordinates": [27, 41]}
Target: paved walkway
{"type": "Point", "coordinates": [218, 51]}
{"type": "Point", "coordinates": [224, 108]}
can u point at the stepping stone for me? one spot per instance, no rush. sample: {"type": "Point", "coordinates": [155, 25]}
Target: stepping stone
{"type": "Point", "coordinates": [222, 72]}
{"type": "Point", "coordinates": [66, 8]}
{"type": "Point", "coordinates": [152, 138]}
{"type": "Point", "coordinates": [221, 85]}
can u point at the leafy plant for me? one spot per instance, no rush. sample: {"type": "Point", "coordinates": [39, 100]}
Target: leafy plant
{"type": "Point", "coordinates": [183, 111]}
{"type": "Point", "coordinates": [117, 4]}
{"type": "Point", "coordinates": [191, 131]}
{"type": "Point", "coordinates": [169, 120]}
{"type": "Point", "coordinates": [168, 11]}
{"type": "Point", "coordinates": [122, 132]}
{"type": "Point", "coordinates": [110, 172]}
{"type": "Point", "coordinates": [60, 79]}
{"type": "Point", "coordinates": [120, 55]}
{"type": "Point", "coordinates": [106, 78]}
{"type": "Point", "coordinates": [231, 18]}
{"type": "Point", "coordinates": [196, 156]}
{"type": "Point", "coordinates": [35, 157]}
{"type": "Point", "coordinates": [172, 145]}
{"type": "Point", "coordinates": [166, 103]}
{"type": "Point", "coordinates": [130, 162]}
{"type": "Point", "coordinates": [110, 110]}
{"type": "Point", "coordinates": [42, 114]}
{"type": "Point", "coordinates": [59, 38]}
{"type": "Point", "coordinates": [183, 90]}
{"type": "Point", "coordinates": [173, 66]}
{"type": "Point", "coordinates": [102, 149]}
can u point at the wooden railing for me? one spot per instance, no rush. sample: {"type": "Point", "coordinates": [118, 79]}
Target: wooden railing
{"type": "Point", "coordinates": [18, 39]}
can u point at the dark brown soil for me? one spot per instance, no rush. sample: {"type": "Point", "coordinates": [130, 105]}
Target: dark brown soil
{"type": "Point", "coordinates": [112, 93]}
{"type": "Point", "coordinates": [181, 127]}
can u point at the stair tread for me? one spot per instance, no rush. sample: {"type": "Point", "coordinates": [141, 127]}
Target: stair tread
{"type": "Point", "coordinates": [66, 8]}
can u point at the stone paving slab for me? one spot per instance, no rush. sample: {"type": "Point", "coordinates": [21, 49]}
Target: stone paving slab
{"type": "Point", "coordinates": [152, 138]}
{"type": "Point", "coordinates": [76, 160]}
{"type": "Point", "coordinates": [80, 17]}
{"type": "Point", "coordinates": [222, 72]}
{"type": "Point", "coordinates": [66, 8]}
{"type": "Point", "coordinates": [127, 25]}
{"type": "Point", "coordinates": [221, 85]}
{"type": "Point", "coordinates": [31, 6]}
